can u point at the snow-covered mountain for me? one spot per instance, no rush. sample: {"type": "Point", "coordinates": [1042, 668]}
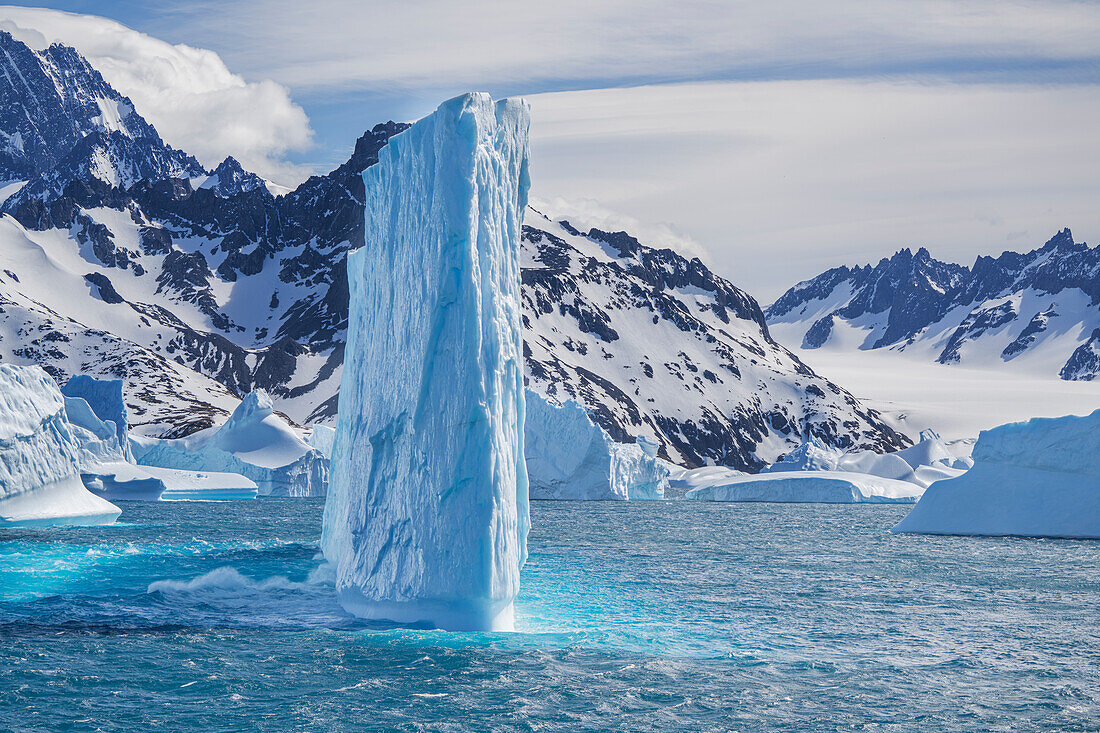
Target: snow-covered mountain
{"type": "Point", "coordinates": [57, 112]}
{"type": "Point", "coordinates": [1036, 312]}
{"type": "Point", "coordinates": [123, 258]}
{"type": "Point", "coordinates": [652, 343]}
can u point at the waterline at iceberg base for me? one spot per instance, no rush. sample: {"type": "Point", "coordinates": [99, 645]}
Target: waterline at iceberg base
{"type": "Point", "coordinates": [636, 616]}
{"type": "Point", "coordinates": [426, 516]}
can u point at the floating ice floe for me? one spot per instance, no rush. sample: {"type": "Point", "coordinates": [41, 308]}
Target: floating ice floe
{"type": "Point", "coordinates": [1039, 478]}
{"type": "Point", "coordinates": [255, 443]}
{"type": "Point", "coordinates": [427, 513]}
{"type": "Point", "coordinates": [570, 457]}
{"type": "Point", "coordinates": [40, 457]}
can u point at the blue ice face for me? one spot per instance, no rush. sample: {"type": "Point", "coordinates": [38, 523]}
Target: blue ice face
{"type": "Point", "coordinates": [427, 514]}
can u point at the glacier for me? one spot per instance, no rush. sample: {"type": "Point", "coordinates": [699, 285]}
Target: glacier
{"type": "Point", "coordinates": [1039, 478]}
{"type": "Point", "coordinates": [254, 442]}
{"type": "Point", "coordinates": [39, 456]}
{"type": "Point", "coordinates": [570, 457]}
{"type": "Point", "coordinates": [427, 514]}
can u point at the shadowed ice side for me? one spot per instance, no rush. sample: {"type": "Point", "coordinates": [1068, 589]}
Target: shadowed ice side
{"type": "Point", "coordinates": [40, 457]}
{"type": "Point", "coordinates": [426, 518]}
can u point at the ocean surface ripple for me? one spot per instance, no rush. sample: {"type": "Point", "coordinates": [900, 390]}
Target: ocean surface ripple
{"type": "Point", "coordinates": [633, 616]}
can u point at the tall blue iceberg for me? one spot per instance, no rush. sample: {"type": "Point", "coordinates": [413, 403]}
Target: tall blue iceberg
{"type": "Point", "coordinates": [427, 516]}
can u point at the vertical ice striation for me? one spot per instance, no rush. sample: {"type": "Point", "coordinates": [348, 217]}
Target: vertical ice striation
{"type": "Point", "coordinates": [427, 516]}
{"type": "Point", "coordinates": [570, 457]}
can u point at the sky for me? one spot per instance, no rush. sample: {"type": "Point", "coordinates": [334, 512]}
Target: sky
{"type": "Point", "coordinates": [772, 140]}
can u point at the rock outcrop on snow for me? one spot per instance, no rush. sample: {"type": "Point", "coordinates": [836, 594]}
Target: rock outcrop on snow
{"type": "Point", "coordinates": [39, 456]}
{"type": "Point", "coordinates": [426, 518]}
{"type": "Point", "coordinates": [1039, 478]}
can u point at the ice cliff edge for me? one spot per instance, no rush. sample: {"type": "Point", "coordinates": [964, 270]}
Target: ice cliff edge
{"type": "Point", "coordinates": [427, 513]}
{"type": "Point", "coordinates": [1039, 478]}
{"type": "Point", "coordinates": [40, 457]}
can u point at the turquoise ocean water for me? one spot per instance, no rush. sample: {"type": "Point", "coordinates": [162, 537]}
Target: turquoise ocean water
{"type": "Point", "coordinates": [633, 617]}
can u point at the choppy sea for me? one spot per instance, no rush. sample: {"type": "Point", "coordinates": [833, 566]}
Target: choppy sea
{"type": "Point", "coordinates": [674, 616]}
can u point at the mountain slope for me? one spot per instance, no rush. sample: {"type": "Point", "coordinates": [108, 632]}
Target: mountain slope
{"type": "Point", "coordinates": [652, 343]}
{"type": "Point", "coordinates": [1034, 312]}
{"type": "Point", "coordinates": [118, 258]}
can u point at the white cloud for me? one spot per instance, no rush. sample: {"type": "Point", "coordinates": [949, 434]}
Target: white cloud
{"type": "Point", "coordinates": [780, 180]}
{"type": "Point", "coordinates": [585, 214]}
{"type": "Point", "coordinates": [441, 44]}
{"type": "Point", "coordinates": [187, 93]}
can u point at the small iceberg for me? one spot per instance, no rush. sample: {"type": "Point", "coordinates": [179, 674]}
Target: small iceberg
{"type": "Point", "coordinates": [570, 457]}
{"type": "Point", "coordinates": [106, 462]}
{"type": "Point", "coordinates": [922, 464]}
{"type": "Point", "coordinates": [255, 443]}
{"type": "Point", "coordinates": [40, 457]}
{"type": "Point", "coordinates": [1039, 478]}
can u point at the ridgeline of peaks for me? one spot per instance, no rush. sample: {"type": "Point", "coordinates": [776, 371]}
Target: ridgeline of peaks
{"type": "Point", "coordinates": [123, 258]}
{"type": "Point", "coordinates": [1038, 310]}
{"type": "Point", "coordinates": [57, 112]}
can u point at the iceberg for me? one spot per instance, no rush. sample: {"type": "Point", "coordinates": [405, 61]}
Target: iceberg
{"type": "Point", "coordinates": [811, 455]}
{"type": "Point", "coordinates": [811, 487]}
{"type": "Point", "coordinates": [570, 457]}
{"type": "Point", "coordinates": [255, 443]}
{"type": "Point", "coordinates": [1039, 478]}
{"type": "Point", "coordinates": [104, 398]}
{"type": "Point", "coordinates": [106, 463]}
{"type": "Point", "coordinates": [39, 456]}
{"type": "Point", "coordinates": [927, 461]}
{"type": "Point", "coordinates": [321, 437]}
{"type": "Point", "coordinates": [426, 518]}
{"type": "Point", "coordinates": [202, 485]}
{"type": "Point", "coordinates": [683, 480]}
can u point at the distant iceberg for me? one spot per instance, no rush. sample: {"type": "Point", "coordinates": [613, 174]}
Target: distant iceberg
{"type": "Point", "coordinates": [255, 443]}
{"type": "Point", "coordinates": [1039, 478]}
{"type": "Point", "coordinates": [106, 463]}
{"type": "Point", "coordinates": [427, 516]}
{"type": "Point", "coordinates": [811, 487]}
{"type": "Point", "coordinates": [321, 437]}
{"type": "Point", "coordinates": [927, 461]}
{"type": "Point", "coordinates": [40, 457]}
{"type": "Point", "coordinates": [104, 398]}
{"type": "Point", "coordinates": [570, 457]}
